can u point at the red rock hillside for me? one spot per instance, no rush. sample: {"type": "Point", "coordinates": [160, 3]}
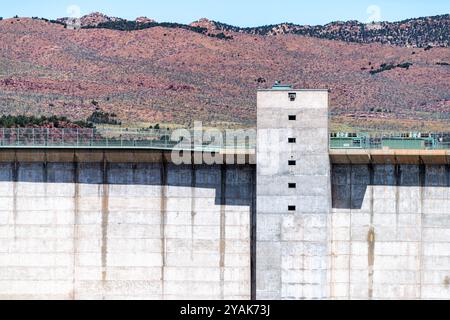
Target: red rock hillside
{"type": "Point", "coordinates": [172, 75]}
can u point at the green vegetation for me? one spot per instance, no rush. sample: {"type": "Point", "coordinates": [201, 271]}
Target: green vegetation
{"type": "Point", "coordinates": [221, 36]}
{"type": "Point", "coordinates": [383, 67]}
{"type": "Point", "coordinates": [125, 25]}
{"type": "Point", "coordinates": [50, 21]}
{"type": "Point", "coordinates": [387, 67]}
{"type": "Point", "coordinates": [261, 80]}
{"type": "Point", "coordinates": [405, 65]}
{"type": "Point", "coordinates": [380, 110]}
{"type": "Point", "coordinates": [100, 117]}
{"type": "Point", "coordinates": [150, 128]}
{"type": "Point", "coordinates": [23, 121]}
{"type": "Point", "coordinates": [420, 32]}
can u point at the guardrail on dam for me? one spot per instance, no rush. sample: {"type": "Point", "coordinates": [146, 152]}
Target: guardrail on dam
{"type": "Point", "coordinates": [169, 139]}
{"type": "Point", "coordinates": [135, 139]}
{"type": "Point", "coordinates": [315, 218]}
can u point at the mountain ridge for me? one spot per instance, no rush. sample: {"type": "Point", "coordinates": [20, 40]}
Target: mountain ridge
{"type": "Point", "coordinates": [422, 32]}
{"type": "Point", "coordinates": [173, 75]}
{"type": "Point", "coordinates": [95, 18]}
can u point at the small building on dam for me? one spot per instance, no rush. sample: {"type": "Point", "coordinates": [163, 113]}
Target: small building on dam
{"type": "Point", "coordinates": [307, 214]}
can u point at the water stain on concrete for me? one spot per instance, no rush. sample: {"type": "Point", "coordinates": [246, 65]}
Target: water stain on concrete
{"type": "Point", "coordinates": [15, 178]}
{"type": "Point", "coordinates": [76, 175]}
{"type": "Point", "coordinates": [371, 258]}
{"type": "Point", "coordinates": [422, 182]}
{"type": "Point", "coordinates": [253, 223]}
{"type": "Point", "coordinates": [222, 229]}
{"type": "Point", "coordinates": [371, 235]}
{"type": "Point", "coordinates": [193, 212]}
{"type": "Point", "coordinates": [105, 222]}
{"type": "Point", "coordinates": [447, 282]}
{"type": "Point", "coordinates": [398, 177]}
{"type": "Point", "coordinates": [349, 264]}
{"type": "Point", "coordinates": [163, 204]}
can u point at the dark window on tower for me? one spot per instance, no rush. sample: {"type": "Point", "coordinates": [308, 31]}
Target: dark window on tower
{"type": "Point", "coordinates": [292, 162]}
{"type": "Point", "coordinates": [292, 96]}
{"type": "Point", "coordinates": [292, 185]}
{"type": "Point", "coordinates": [292, 140]}
{"type": "Point", "coordinates": [292, 208]}
{"type": "Point", "coordinates": [292, 118]}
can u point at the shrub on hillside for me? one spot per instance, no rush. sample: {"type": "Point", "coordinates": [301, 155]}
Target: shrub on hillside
{"type": "Point", "coordinates": [23, 121]}
{"type": "Point", "coordinates": [390, 66]}
{"type": "Point", "coordinates": [126, 25]}
{"type": "Point", "coordinates": [100, 117]}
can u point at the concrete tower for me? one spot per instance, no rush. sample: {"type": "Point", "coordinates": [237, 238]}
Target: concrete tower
{"type": "Point", "coordinates": [293, 194]}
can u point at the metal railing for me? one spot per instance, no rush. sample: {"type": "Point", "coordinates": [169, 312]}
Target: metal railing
{"type": "Point", "coordinates": [396, 141]}
{"type": "Point", "coordinates": [160, 139]}
{"type": "Point", "coordinates": [163, 139]}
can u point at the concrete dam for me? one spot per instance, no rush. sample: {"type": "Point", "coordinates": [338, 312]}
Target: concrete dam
{"type": "Point", "coordinates": [302, 217]}
{"type": "Point", "coordinates": [87, 225]}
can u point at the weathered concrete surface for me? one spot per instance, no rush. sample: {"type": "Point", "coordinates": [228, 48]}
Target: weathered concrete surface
{"type": "Point", "coordinates": [102, 225]}
{"type": "Point", "coordinates": [390, 232]}
{"type": "Point", "coordinates": [111, 155]}
{"type": "Point", "coordinates": [94, 229]}
{"type": "Point", "coordinates": [389, 156]}
{"type": "Point", "coordinates": [293, 246]}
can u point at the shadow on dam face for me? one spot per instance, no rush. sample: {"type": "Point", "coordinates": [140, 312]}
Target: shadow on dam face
{"type": "Point", "coordinates": [138, 225]}
{"type": "Point", "coordinates": [350, 182]}
{"type": "Point", "coordinates": [234, 185]}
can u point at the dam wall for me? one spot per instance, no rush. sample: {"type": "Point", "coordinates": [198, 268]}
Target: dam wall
{"type": "Point", "coordinates": [132, 225]}
{"type": "Point", "coordinates": [311, 220]}
{"type": "Point", "coordinates": [390, 232]}
{"type": "Point", "coordinates": [105, 225]}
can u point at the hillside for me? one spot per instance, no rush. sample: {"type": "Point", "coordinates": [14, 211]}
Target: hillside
{"type": "Point", "coordinates": [96, 18]}
{"type": "Point", "coordinates": [420, 32]}
{"type": "Point", "coordinates": [166, 74]}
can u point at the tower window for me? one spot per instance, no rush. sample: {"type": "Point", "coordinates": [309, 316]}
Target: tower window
{"type": "Point", "coordinates": [292, 118]}
{"type": "Point", "coordinates": [292, 162]}
{"type": "Point", "coordinates": [292, 208]}
{"type": "Point", "coordinates": [292, 140]}
{"type": "Point", "coordinates": [292, 96]}
{"type": "Point", "coordinates": [292, 185]}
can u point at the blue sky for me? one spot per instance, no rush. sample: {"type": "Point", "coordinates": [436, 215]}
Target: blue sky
{"type": "Point", "coordinates": [237, 12]}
